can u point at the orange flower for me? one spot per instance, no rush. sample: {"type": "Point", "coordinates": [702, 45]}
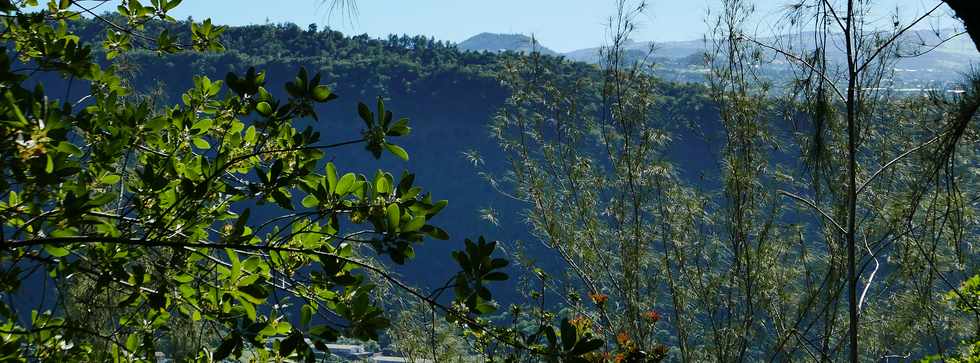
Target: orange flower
{"type": "Point", "coordinates": [580, 322]}
{"type": "Point", "coordinates": [599, 298]}
{"type": "Point", "coordinates": [622, 338]}
{"type": "Point", "coordinates": [652, 316]}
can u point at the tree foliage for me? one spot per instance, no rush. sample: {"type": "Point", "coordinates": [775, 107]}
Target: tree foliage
{"type": "Point", "coordinates": [218, 217]}
{"type": "Point", "coordinates": [833, 224]}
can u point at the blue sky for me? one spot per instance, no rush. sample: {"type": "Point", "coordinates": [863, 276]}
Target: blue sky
{"type": "Point", "coordinates": [562, 25]}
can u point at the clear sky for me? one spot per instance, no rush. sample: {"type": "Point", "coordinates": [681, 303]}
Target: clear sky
{"type": "Point", "coordinates": [562, 25]}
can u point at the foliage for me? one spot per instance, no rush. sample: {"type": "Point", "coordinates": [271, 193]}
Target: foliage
{"type": "Point", "coordinates": [216, 227]}
{"type": "Point", "coordinates": [589, 162]}
{"type": "Point", "coordinates": [965, 298]}
{"type": "Point", "coordinates": [148, 220]}
{"type": "Point", "coordinates": [824, 217]}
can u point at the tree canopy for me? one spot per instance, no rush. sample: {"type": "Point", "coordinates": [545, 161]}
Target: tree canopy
{"type": "Point", "coordinates": [140, 215]}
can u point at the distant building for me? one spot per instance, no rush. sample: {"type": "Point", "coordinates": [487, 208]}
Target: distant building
{"type": "Point", "coordinates": [349, 351]}
{"type": "Point", "coordinates": [357, 353]}
{"type": "Point", "coordinates": [161, 357]}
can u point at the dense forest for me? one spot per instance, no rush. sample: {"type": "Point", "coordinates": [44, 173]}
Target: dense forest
{"type": "Point", "coordinates": [181, 190]}
{"type": "Point", "coordinates": [451, 96]}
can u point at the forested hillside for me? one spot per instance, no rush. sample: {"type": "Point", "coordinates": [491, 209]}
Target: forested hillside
{"type": "Point", "coordinates": [450, 95]}
{"type": "Point", "coordinates": [180, 189]}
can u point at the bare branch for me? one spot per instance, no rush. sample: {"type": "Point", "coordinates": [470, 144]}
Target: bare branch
{"type": "Point", "coordinates": [870, 278]}
{"type": "Point", "coordinates": [895, 37]}
{"type": "Point", "coordinates": [815, 207]}
{"type": "Point", "coordinates": [800, 60]}
{"type": "Point", "coordinates": [895, 160]}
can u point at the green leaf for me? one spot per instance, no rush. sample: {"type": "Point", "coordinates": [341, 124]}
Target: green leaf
{"type": "Point", "coordinates": [283, 327]}
{"type": "Point", "coordinates": [381, 110]}
{"type": "Point", "coordinates": [69, 148]}
{"type": "Point", "coordinates": [438, 206]}
{"type": "Point", "coordinates": [276, 170]}
{"type": "Point", "coordinates": [568, 336]}
{"type": "Point", "coordinates": [227, 346]}
{"type": "Point", "coordinates": [56, 251]}
{"type": "Point", "coordinates": [170, 5]}
{"type": "Point", "coordinates": [133, 342]}
{"type": "Point", "coordinates": [322, 93]}
{"type": "Point", "coordinates": [345, 183]}
{"type": "Point", "coordinates": [264, 108]}
{"type": "Point", "coordinates": [282, 199]}
{"type": "Point", "coordinates": [394, 216]}
{"type": "Point", "coordinates": [202, 126]}
{"type": "Point", "coordinates": [236, 127]}
{"type": "Point", "coordinates": [414, 225]}
{"type": "Point", "coordinates": [201, 143]}
{"type": "Point", "coordinates": [49, 166]}
{"type": "Point", "coordinates": [498, 263]}
{"type": "Point", "coordinates": [305, 315]}
{"type": "Point", "coordinates": [250, 135]}
{"type": "Point", "coordinates": [381, 184]}
{"type": "Point", "coordinates": [397, 150]}
{"type": "Point", "coordinates": [484, 308]}
{"type": "Point", "coordinates": [586, 346]}
{"type": "Point", "coordinates": [109, 179]}
{"type": "Point", "coordinates": [331, 177]}
{"type": "Point", "coordinates": [437, 233]}
{"type": "Point", "coordinates": [310, 201]}
{"type": "Point", "coordinates": [236, 265]}
{"type": "Point", "coordinates": [288, 345]}
{"type": "Point", "coordinates": [495, 276]}
{"type": "Point", "coordinates": [400, 128]}
{"type": "Point", "coordinates": [365, 114]}
{"type": "Point", "coordinates": [249, 309]}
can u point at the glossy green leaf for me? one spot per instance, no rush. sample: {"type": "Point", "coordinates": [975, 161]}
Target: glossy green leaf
{"type": "Point", "coordinates": [264, 108]}
{"type": "Point", "coordinates": [201, 143]}
{"type": "Point", "coordinates": [394, 216]}
{"type": "Point", "coordinates": [109, 179]}
{"type": "Point", "coordinates": [56, 251]}
{"type": "Point", "coordinates": [345, 183]}
{"type": "Point", "coordinates": [49, 164]}
{"type": "Point", "coordinates": [414, 225]}
{"type": "Point", "coordinates": [397, 151]}
{"type": "Point", "coordinates": [305, 315]}
{"type": "Point", "coordinates": [322, 93]}
{"type": "Point", "coordinates": [202, 126]}
{"type": "Point", "coordinates": [331, 177]}
{"type": "Point", "coordinates": [250, 134]}
{"type": "Point", "coordinates": [310, 201]}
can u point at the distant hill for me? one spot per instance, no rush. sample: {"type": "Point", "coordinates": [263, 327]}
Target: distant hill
{"type": "Point", "coordinates": [496, 43]}
{"type": "Point", "coordinates": [940, 58]}
{"type": "Point", "coordinates": [669, 50]}
{"type": "Point", "coordinates": [681, 60]}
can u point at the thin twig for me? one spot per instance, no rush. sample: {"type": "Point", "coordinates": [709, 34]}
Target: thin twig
{"type": "Point", "coordinates": [895, 160]}
{"type": "Point", "coordinates": [800, 60]}
{"type": "Point", "coordinates": [870, 278]}
{"type": "Point", "coordinates": [815, 207]}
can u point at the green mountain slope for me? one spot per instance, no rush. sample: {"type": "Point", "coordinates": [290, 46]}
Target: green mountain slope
{"type": "Point", "coordinates": [450, 96]}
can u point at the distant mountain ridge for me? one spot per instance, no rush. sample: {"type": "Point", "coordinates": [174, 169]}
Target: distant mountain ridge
{"type": "Point", "coordinates": [683, 60]}
{"type": "Point", "coordinates": [496, 43]}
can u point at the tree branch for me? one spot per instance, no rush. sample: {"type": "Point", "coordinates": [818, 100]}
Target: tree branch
{"type": "Point", "coordinates": [815, 207]}
{"type": "Point", "coordinates": [800, 60]}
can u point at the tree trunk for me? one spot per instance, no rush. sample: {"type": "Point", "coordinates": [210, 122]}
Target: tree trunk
{"type": "Point", "coordinates": [968, 11]}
